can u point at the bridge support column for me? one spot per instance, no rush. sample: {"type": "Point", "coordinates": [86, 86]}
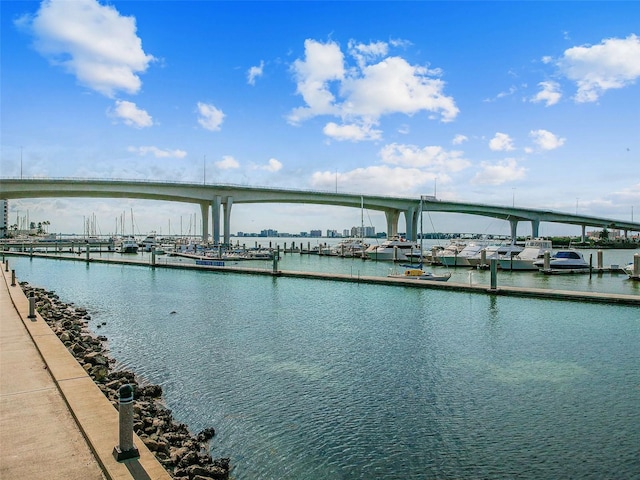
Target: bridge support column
{"type": "Point", "coordinates": [215, 207]}
{"type": "Point", "coordinates": [392, 217]}
{"type": "Point", "coordinates": [583, 233]}
{"type": "Point", "coordinates": [411, 219]}
{"type": "Point", "coordinates": [535, 228]}
{"type": "Point", "coordinates": [227, 220]}
{"type": "Point", "coordinates": [204, 209]}
{"type": "Point", "coordinates": [514, 230]}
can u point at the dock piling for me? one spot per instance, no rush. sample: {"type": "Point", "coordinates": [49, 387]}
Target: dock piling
{"type": "Point", "coordinates": [125, 450]}
{"type": "Point", "coordinates": [494, 273]}
{"type": "Point", "coordinates": [636, 265]}
{"type": "Point", "coordinates": [13, 278]}
{"type": "Point", "coordinates": [6, 265]}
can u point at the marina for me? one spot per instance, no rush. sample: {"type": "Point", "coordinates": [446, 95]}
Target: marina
{"type": "Point", "coordinates": [379, 382]}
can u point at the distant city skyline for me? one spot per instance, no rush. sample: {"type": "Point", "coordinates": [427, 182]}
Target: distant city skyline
{"type": "Point", "coordinates": [531, 104]}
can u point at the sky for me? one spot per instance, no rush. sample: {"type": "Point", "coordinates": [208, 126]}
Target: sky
{"type": "Point", "coordinates": [532, 104]}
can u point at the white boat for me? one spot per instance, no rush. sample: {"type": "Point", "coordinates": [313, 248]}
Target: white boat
{"type": "Point", "coordinates": [393, 249]}
{"type": "Point", "coordinates": [494, 251]}
{"type": "Point", "coordinates": [127, 245]}
{"type": "Point", "coordinates": [419, 274]}
{"type": "Point", "coordinates": [533, 250]}
{"type": "Point", "coordinates": [460, 258]}
{"type": "Point", "coordinates": [149, 243]}
{"type": "Point", "coordinates": [628, 269]}
{"type": "Point", "coordinates": [564, 261]}
{"type": "Point", "coordinates": [349, 247]}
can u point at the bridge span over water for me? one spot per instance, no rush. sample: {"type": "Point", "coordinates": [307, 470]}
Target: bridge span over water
{"type": "Point", "coordinates": [213, 197]}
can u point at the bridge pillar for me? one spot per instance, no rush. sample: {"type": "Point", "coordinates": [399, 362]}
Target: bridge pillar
{"type": "Point", "coordinates": [583, 234]}
{"type": "Point", "coordinates": [514, 229]}
{"type": "Point", "coordinates": [204, 209]}
{"type": "Point", "coordinates": [411, 219]}
{"type": "Point", "coordinates": [215, 207]}
{"type": "Point", "coordinates": [535, 228]}
{"type": "Point", "coordinates": [392, 217]}
{"type": "Point", "coordinates": [227, 220]}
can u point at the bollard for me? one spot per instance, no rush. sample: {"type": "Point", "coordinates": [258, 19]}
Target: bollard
{"type": "Point", "coordinates": [547, 260]}
{"type": "Point", "coordinates": [32, 306]}
{"type": "Point", "coordinates": [13, 278]}
{"type": "Point", "coordinates": [494, 273]}
{"type": "Point", "coordinates": [125, 450]}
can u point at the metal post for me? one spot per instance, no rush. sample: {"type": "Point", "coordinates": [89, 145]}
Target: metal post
{"type": "Point", "coordinates": [32, 306]}
{"type": "Point", "coordinates": [494, 273]}
{"type": "Point", "coordinates": [13, 278]}
{"type": "Point", "coordinates": [125, 450]}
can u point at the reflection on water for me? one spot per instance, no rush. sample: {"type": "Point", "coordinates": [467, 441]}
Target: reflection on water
{"type": "Point", "coordinates": [316, 380]}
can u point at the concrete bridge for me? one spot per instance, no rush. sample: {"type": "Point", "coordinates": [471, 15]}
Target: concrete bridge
{"type": "Point", "coordinates": [212, 197]}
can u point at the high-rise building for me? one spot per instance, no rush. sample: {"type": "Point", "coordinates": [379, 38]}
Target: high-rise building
{"type": "Point", "coordinates": [4, 218]}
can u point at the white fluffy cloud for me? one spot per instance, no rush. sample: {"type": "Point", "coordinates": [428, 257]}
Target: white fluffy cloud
{"type": "Point", "coordinates": [613, 63]}
{"type": "Point", "coordinates": [360, 92]}
{"type": "Point", "coordinates": [227, 163]}
{"type": "Point", "coordinates": [458, 139]}
{"type": "Point", "coordinates": [499, 173]}
{"type": "Point", "coordinates": [255, 72]}
{"type": "Point", "coordinates": [210, 117]}
{"type": "Point", "coordinates": [501, 142]}
{"type": "Point", "coordinates": [351, 132]}
{"type": "Point", "coordinates": [157, 152]}
{"type": "Point", "coordinates": [131, 115]}
{"type": "Point", "coordinates": [91, 41]}
{"type": "Point", "coordinates": [433, 158]}
{"type": "Point", "coordinates": [273, 165]}
{"type": "Point", "coordinates": [549, 93]}
{"type": "Point", "coordinates": [546, 140]}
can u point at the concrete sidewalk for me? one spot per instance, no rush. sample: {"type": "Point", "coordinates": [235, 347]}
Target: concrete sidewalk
{"type": "Point", "coordinates": [55, 423]}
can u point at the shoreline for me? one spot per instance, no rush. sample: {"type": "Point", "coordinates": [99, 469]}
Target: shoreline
{"type": "Point", "coordinates": [184, 455]}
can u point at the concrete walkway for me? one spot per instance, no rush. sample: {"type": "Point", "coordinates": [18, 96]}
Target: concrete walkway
{"type": "Point", "coordinates": [55, 423]}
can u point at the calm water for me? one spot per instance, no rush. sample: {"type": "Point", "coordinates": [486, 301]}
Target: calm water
{"type": "Point", "coordinates": [307, 379]}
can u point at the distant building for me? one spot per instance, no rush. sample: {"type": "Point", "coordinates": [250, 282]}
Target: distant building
{"type": "Point", "coordinates": [315, 233]}
{"type": "Point", "coordinates": [4, 218]}
{"type": "Point", "coordinates": [268, 233]}
{"type": "Point", "coordinates": [332, 233]}
{"type": "Point", "coordinates": [363, 232]}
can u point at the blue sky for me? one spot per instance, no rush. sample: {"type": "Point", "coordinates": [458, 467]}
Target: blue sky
{"type": "Point", "coordinates": [535, 104]}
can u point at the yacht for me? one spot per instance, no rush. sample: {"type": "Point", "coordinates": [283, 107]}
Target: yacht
{"type": "Point", "coordinates": [149, 243]}
{"type": "Point", "coordinates": [564, 261]}
{"type": "Point", "coordinates": [127, 245]}
{"type": "Point", "coordinates": [460, 258]}
{"type": "Point", "coordinates": [533, 250]}
{"type": "Point", "coordinates": [393, 249]}
{"type": "Point", "coordinates": [494, 251]}
{"type": "Point", "coordinates": [350, 247]}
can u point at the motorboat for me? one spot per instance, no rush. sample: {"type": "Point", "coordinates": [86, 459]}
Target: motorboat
{"type": "Point", "coordinates": [564, 261]}
{"type": "Point", "coordinates": [349, 248]}
{"type": "Point", "coordinates": [628, 269]}
{"type": "Point", "coordinates": [494, 252]}
{"type": "Point", "coordinates": [533, 250]}
{"type": "Point", "coordinates": [127, 245]}
{"type": "Point", "coordinates": [460, 258]}
{"type": "Point", "coordinates": [149, 243]}
{"type": "Point", "coordinates": [419, 274]}
{"type": "Point", "coordinates": [393, 249]}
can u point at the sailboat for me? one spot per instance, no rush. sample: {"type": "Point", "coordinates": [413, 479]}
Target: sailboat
{"type": "Point", "coordinates": [413, 272]}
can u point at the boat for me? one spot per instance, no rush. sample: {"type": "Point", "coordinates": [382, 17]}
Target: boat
{"type": "Point", "coordinates": [127, 245]}
{"type": "Point", "coordinates": [349, 248]}
{"type": "Point", "coordinates": [460, 258]}
{"type": "Point", "coordinates": [393, 249]}
{"type": "Point", "coordinates": [564, 261]}
{"type": "Point", "coordinates": [533, 250]}
{"type": "Point", "coordinates": [416, 272]}
{"type": "Point", "coordinates": [149, 243]}
{"type": "Point", "coordinates": [494, 252]}
{"type": "Point", "coordinates": [628, 269]}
